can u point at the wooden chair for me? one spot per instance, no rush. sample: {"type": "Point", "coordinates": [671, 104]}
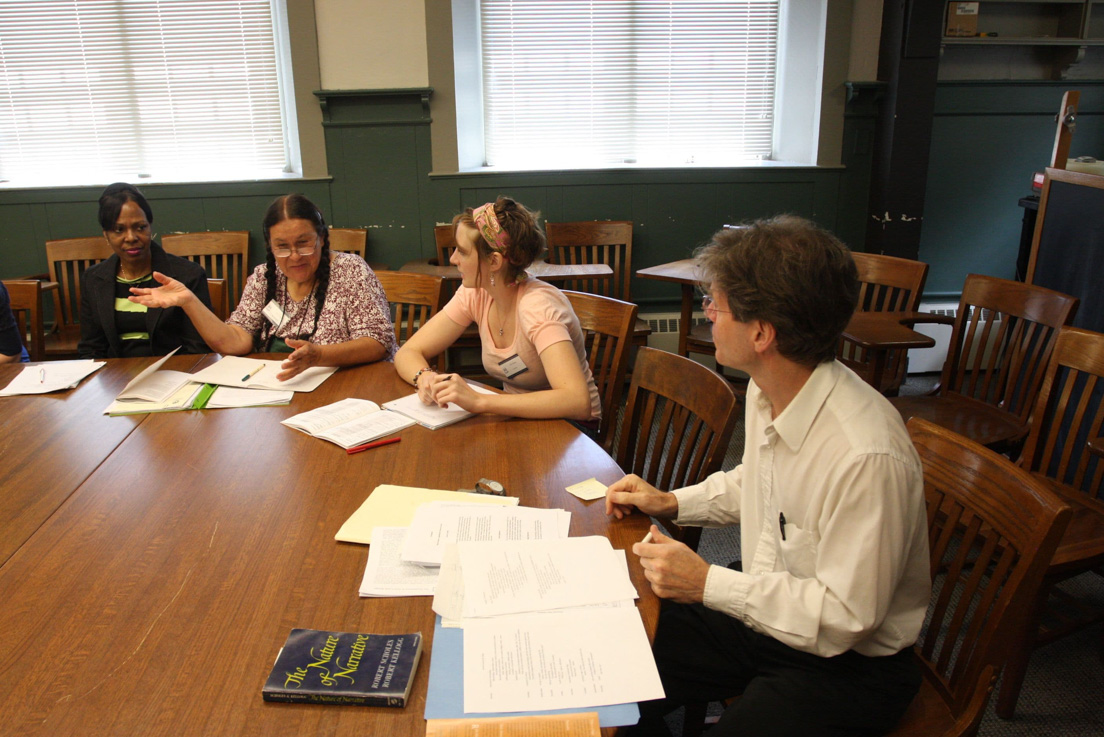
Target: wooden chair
{"type": "Point", "coordinates": [992, 529]}
{"type": "Point", "coordinates": [677, 425]}
{"type": "Point", "coordinates": [414, 298]}
{"type": "Point", "coordinates": [216, 288]}
{"type": "Point", "coordinates": [25, 296]}
{"type": "Point", "coordinates": [349, 240]}
{"type": "Point", "coordinates": [223, 254]}
{"type": "Point", "coordinates": [598, 242]}
{"type": "Point", "coordinates": [354, 240]}
{"type": "Point", "coordinates": [1003, 336]}
{"type": "Point", "coordinates": [67, 260]}
{"type": "Point", "coordinates": [607, 326]}
{"type": "Point", "coordinates": [445, 239]}
{"type": "Point", "coordinates": [1059, 454]}
{"type": "Point", "coordinates": [888, 284]}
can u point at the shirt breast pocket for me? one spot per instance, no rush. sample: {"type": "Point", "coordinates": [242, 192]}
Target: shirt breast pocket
{"type": "Point", "coordinates": [799, 551]}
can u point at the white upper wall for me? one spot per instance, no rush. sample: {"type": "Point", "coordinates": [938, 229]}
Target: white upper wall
{"type": "Point", "coordinates": [371, 44]}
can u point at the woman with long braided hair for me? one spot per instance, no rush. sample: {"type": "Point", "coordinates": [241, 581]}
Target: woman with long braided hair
{"type": "Point", "coordinates": [324, 308]}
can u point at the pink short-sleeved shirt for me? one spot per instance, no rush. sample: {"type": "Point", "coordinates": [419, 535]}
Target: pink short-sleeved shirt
{"type": "Point", "coordinates": [544, 316]}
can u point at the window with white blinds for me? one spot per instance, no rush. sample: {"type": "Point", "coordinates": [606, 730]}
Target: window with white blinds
{"type": "Point", "coordinates": [95, 91]}
{"type": "Point", "coordinates": [578, 83]}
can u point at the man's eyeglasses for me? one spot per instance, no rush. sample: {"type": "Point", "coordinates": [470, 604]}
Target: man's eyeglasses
{"type": "Point", "coordinates": [302, 248]}
{"type": "Point", "coordinates": [709, 306]}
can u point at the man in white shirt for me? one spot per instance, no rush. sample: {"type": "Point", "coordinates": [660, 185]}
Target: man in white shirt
{"type": "Point", "coordinates": [815, 631]}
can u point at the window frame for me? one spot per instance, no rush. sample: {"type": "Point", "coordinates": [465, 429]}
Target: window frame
{"type": "Point", "coordinates": [807, 29]}
{"type": "Point", "coordinates": [295, 37]}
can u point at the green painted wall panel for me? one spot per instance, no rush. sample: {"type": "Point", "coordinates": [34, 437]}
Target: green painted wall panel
{"type": "Point", "coordinates": [988, 138]}
{"type": "Point", "coordinates": [378, 150]}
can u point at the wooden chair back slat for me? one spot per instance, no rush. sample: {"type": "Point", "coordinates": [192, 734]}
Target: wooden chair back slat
{"type": "Point", "coordinates": [992, 531]}
{"type": "Point", "coordinates": [607, 325]}
{"type": "Point", "coordinates": [1004, 366]}
{"type": "Point", "coordinates": [678, 421]}
{"type": "Point", "coordinates": [67, 260]}
{"type": "Point", "coordinates": [414, 298]}
{"type": "Point", "coordinates": [25, 296]}
{"type": "Point", "coordinates": [223, 254]}
{"type": "Point", "coordinates": [1069, 413]}
{"type": "Point", "coordinates": [594, 242]}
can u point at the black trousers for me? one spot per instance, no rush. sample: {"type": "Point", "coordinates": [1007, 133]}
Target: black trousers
{"type": "Point", "coordinates": [704, 655]}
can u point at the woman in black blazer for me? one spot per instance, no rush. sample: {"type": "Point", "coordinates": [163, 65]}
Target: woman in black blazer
{"type": "Point", "coordinates": [111, 325]}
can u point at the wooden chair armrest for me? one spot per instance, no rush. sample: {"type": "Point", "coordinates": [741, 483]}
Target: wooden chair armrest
{"type": "Point", "coordinates": [929, 319]}
{"type": "Point", "coordinates": [36, 277]}
{"type": "Point", "coordinates": [1096, 447]}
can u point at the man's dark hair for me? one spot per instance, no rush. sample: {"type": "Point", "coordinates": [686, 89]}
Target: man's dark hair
{"type": "Point", "coordinates": [791, 273]}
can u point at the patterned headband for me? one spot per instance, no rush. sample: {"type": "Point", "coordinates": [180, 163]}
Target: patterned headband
{"type": "Point", "coordinates": [490, 228]}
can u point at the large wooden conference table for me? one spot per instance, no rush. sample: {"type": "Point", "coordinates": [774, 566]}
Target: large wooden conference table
{"type": "Point", "coordinates": [153, 595]}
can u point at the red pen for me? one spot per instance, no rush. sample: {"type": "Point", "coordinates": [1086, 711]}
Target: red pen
{"type": "Point", "coordinates": [369, 446]}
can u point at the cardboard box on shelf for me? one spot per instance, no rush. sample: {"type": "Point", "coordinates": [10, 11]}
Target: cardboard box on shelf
{"type": "Point", "coordinates": [962, 19]}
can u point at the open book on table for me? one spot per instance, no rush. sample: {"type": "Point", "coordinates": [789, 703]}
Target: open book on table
{"type": "Point", "coordinates": [154, 384]}
{"type": "Point", "coordinates": [349, 423]}
{"type": "Point", "coordinates": [430, 415]}
{"type": "Point", "coordinates": [258, 373]}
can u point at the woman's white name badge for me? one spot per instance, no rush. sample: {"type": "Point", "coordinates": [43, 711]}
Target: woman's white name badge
{"type": "Point", "coordinates": [274, 313]}
{"type": "Point", "coordinates": [513, 366]}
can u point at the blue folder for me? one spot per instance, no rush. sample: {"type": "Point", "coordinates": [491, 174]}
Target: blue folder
{"type": "Point", "coordinates": [445, 696]}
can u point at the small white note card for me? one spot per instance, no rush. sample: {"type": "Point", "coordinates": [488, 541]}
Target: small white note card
{"type": "Point", "coordinates": [588, 490]}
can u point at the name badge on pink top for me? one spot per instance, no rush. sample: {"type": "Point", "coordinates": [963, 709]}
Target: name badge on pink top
{"type": "Point", "coordinates": [513, 366]}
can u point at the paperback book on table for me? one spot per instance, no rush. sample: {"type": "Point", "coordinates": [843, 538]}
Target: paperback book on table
{"type": "Point", "coordinates": [320, 667]}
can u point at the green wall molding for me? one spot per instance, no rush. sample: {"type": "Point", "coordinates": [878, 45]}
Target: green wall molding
{"type": "Point", "coordinates": [355, 108]}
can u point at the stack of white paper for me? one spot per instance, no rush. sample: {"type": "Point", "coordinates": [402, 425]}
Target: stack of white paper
{"type": "Point", "coordinates": [394, 506]}
{"type": "Point", "coordinates": [387, 575]}
{"type": "Point", "coordinates": [50, 377]}
{"type": "Point", "coordinates": [574, 658]}
{"type": "Point", "coordinates": [480, 579]}
{"type": "Point", "coordinates": [548, 624]}
{"type": "Point", "coordinates": [226, 397]}
{"type": "Point", "coordinates": [258, 373]}
{"type": "Point", "coordinates": [438, 524]}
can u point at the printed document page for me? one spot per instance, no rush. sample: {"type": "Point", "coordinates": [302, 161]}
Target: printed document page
{"type": "Point", "coordinates": [53, 376]}
{"type": "Point", "coordinates": [437, 524]}
{"type": "Point", "coordinates": [394, 506]}
{"type": "Point", "coordinates": [154, 385]}
{"type": "Point", "coordinates": [515, 577]}
{"type": "Point", "coordinates": [577, 658]}
{"type": "Point", "coordinates": [258, 373]}
{"type": "Point", "coordinates": [226, 397]}
{"type": "Point", "coordinates": [387, 575]}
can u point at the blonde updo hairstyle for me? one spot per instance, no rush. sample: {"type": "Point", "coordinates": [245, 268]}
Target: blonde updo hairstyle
{"type": "Point", "coordinates": [525, 238]}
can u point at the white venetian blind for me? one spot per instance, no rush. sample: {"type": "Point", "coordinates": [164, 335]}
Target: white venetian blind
{"type": "Point", "coordinates": [94, 91]}
{"type": "Point", "coordinates": [571, 83]}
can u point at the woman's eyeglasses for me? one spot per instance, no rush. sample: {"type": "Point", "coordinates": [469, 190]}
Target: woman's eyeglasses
{"type": "Point", "coordinates": [302, 248]}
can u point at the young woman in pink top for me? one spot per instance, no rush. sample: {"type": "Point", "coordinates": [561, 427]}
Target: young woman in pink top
{"type": "Point", "coordinates": [531, 339]}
